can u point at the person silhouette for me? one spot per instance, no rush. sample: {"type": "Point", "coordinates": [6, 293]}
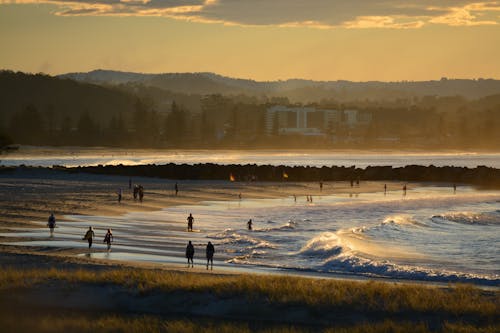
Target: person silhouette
{"type": "Point", "coordinates": [190, 220]}
{"type": "Point", "coordinates": [51, 224]}
{"type": "Point", "coordinates": [89, 235]}
{"type": "Point", "coordinates": [249, 224]}
{"type": "Point", "coordinates": [176, 188]}
{"type": "Point", "coordinates": [108, 238]}
{"type": "Point", "coordinates": [210, 255]}
{"type": "Point", "coordinates": [190, 253]}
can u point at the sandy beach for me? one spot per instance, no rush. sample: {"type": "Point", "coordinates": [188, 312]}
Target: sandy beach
{"type": "Point", "coordinates": [27, 198]}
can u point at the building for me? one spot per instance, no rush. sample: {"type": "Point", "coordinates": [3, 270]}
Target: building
{"type": "Point", "coordinates": [284, 120]}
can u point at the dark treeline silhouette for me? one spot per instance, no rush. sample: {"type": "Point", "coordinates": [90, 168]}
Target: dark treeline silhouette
{"type": "Point", "coordinates": [44, 110]}
{"type": "Point", "coordinates": [484, 176]}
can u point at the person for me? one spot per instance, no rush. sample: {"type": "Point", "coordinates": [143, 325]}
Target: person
{"type": "Point", "coordinates": [108, 238]}
{"type": "Point", "coordinates": [119, 195]}
{"type": "Point", "coordinates": [141, 193]}
{"type": "Point", "coordinates": [454, 188]}
{"type": "Point", "coordinates": [404, 190]}
{"type": "Point", "coordinates": [249, 224]}
{"type": "Point", "coordinates": [385, 189]}
{"type": "Point", "coordinates": [176, 188]}
{"type": "Point", "coordinates": [210, 255]}
{"type": "Point", "coordinates": [294, 198]}
{"type": "Point", "coordinates": [136, 191]}
{"type": "Point", "coordinates": [352, 183]}
{"type": "Point", "coordinates": [239, 196]}
{"type": "Point", "coordinates": [320, 186]}
{"type": "Point", "coordinates": [129, 183]}
{"type": "Point", "coordinates": [190, 220]}
{"type": "Point", "coordinates": [89, 235]}
{"type": "Point", "coordinates": [190, 253]}
{"type": "Point", "coordinates": [51, 224]}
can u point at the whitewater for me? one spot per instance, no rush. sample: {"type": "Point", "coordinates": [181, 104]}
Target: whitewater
{"type": "Point", "coordinates": [429, 234]}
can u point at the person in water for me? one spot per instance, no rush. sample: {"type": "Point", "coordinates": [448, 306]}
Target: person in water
{"type": "Point", "coordinates": [51, 224]}
{"type": "Point", "coordinates": [108, 238]}
{"type": "Point", "coordinates": [249, 224]}
{"type": "Point", "coordinates": [89, 235]}
{"type": "Point", "coordinates": [210, 255]}
{"type": "Point", "coordinates": [190, 253]}
{"type": "Point", "coordinates": [190, 220]}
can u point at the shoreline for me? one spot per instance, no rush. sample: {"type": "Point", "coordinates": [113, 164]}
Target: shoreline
{"type": "Point", "coordinates": [98, 199]}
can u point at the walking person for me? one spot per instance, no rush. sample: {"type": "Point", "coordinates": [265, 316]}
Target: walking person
{"type": "Point", "coordinates": [108, 238]}
{"type": "Point", "coordinates": [51, 224]}
{"type": "Point", "coordinates": [190, 253]}
{"type": "Point", "coordinates": [190, 220]}
{"type": "Point", "coordinates": [249, 224]}
{"type": "Point", "coordinates": [89, 235]}
{"type": "Point", "coordinates": [210, 255]}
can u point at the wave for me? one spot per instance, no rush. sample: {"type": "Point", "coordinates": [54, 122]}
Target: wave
{"type": "Point", "coordinates": [490, 218]}
{"type": "Point", "coordinates": [326, 245]}
{"type": "Point", "coordinates": [229, 236]}
{"type": "Point", "coordinates": [290, 225]}
{"type": "Point", "coordinates": [401, 219]}
{"type": "Point", "coordinates": [341, 254]}
{"type": "Point", "coordinates": [350, 263]}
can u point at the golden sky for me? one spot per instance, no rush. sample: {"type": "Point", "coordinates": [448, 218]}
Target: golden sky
{"type": "Point", "coordinates": [358, 40]}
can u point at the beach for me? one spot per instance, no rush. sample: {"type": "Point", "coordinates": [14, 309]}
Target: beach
{"type": "Point", "coordinates": [67, 281]}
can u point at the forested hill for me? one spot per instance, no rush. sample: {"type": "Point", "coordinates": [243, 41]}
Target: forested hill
{"type": "Point", "coordinates": [297, 90]}
{"type": "Point", "coordinates": [58, 97]}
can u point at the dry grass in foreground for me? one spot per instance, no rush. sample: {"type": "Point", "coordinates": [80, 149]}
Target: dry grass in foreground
{"type": "Point", "coordinates": [270, 302]}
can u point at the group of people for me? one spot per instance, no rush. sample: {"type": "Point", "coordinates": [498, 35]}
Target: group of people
{"type": "Point", "coordinates": [138, 192]}
{"type": "Point", "coordinates": [90, 235]}
{"type": "Point", "coordinates": [210, 250]}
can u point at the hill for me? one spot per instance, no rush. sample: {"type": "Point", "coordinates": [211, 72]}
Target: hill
{"type": "Point", "coordinates": [297, 90]}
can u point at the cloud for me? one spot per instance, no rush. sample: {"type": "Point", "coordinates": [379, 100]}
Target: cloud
{"type": "Point", "coordinates": [319, 14]}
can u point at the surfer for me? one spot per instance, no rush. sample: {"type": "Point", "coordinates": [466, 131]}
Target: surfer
{"type": "Point", "coordinates": [190, 253]}
{"type": "Point", "coordinates": [89, 235]}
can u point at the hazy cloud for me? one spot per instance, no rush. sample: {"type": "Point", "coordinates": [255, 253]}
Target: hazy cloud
{"type": "Point", "coordinates": [321, 14]}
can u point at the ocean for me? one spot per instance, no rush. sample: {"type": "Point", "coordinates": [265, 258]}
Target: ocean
{"type": "Point", "coordinates": [72, 156]}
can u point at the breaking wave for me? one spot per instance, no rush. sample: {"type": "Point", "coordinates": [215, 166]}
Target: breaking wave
{"type": "Point", "coordinates": [490, 218]}
{"type": "Point", "coordinates": [336, 254]}
{"type": "Point", "coordinates": [290, 225]}
{"type": "Point", "coordinates": [231, 237]}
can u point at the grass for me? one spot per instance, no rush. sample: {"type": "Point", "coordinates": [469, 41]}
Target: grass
{"type": "Point", "coordinates": [405, 307]}
{"type": "Point", "coordinates": [361, 296]}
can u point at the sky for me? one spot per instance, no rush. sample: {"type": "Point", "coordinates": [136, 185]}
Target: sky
{"type": "Point", "coordinates": [264, 40]}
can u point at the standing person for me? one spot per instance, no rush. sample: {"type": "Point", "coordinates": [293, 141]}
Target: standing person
{"type": "Point", "coordinates": [404, 190]}
{"type": "Point", "coordinates": [321, 186]}
{"type": "Point", "coordinates": [108, 238]}
{"type": "Point", "coordinates": [136, 191]}
{"type": "Point", "coordinates": [89, 235]}
{"type": "Point", "coordinates": [249, 224]}
{"type": "Point", "coordinates": [190, 220]}
{"type": "Point", "coordinates": [120, 195]}
{"type": "Point", "coordinates": [176, 188]}
{"type": "Point", "coordinates": [385, 189]}
{"type": "Point", "coordinates": [51, 224]}
{"type": "Point", "coordinates": [141, 193]}
{"type": "Point", "coordinates": [190, 253]}
{"type": "Point", "coordinates": [210, 255]}
{"type": "Point", "coordinates": [454, 188]}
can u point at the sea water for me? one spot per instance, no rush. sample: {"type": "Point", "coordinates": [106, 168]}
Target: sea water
{"type": "Point", "coordinates": [430, 234]}
{"type": "Point", "coordinates": [73, 156]}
